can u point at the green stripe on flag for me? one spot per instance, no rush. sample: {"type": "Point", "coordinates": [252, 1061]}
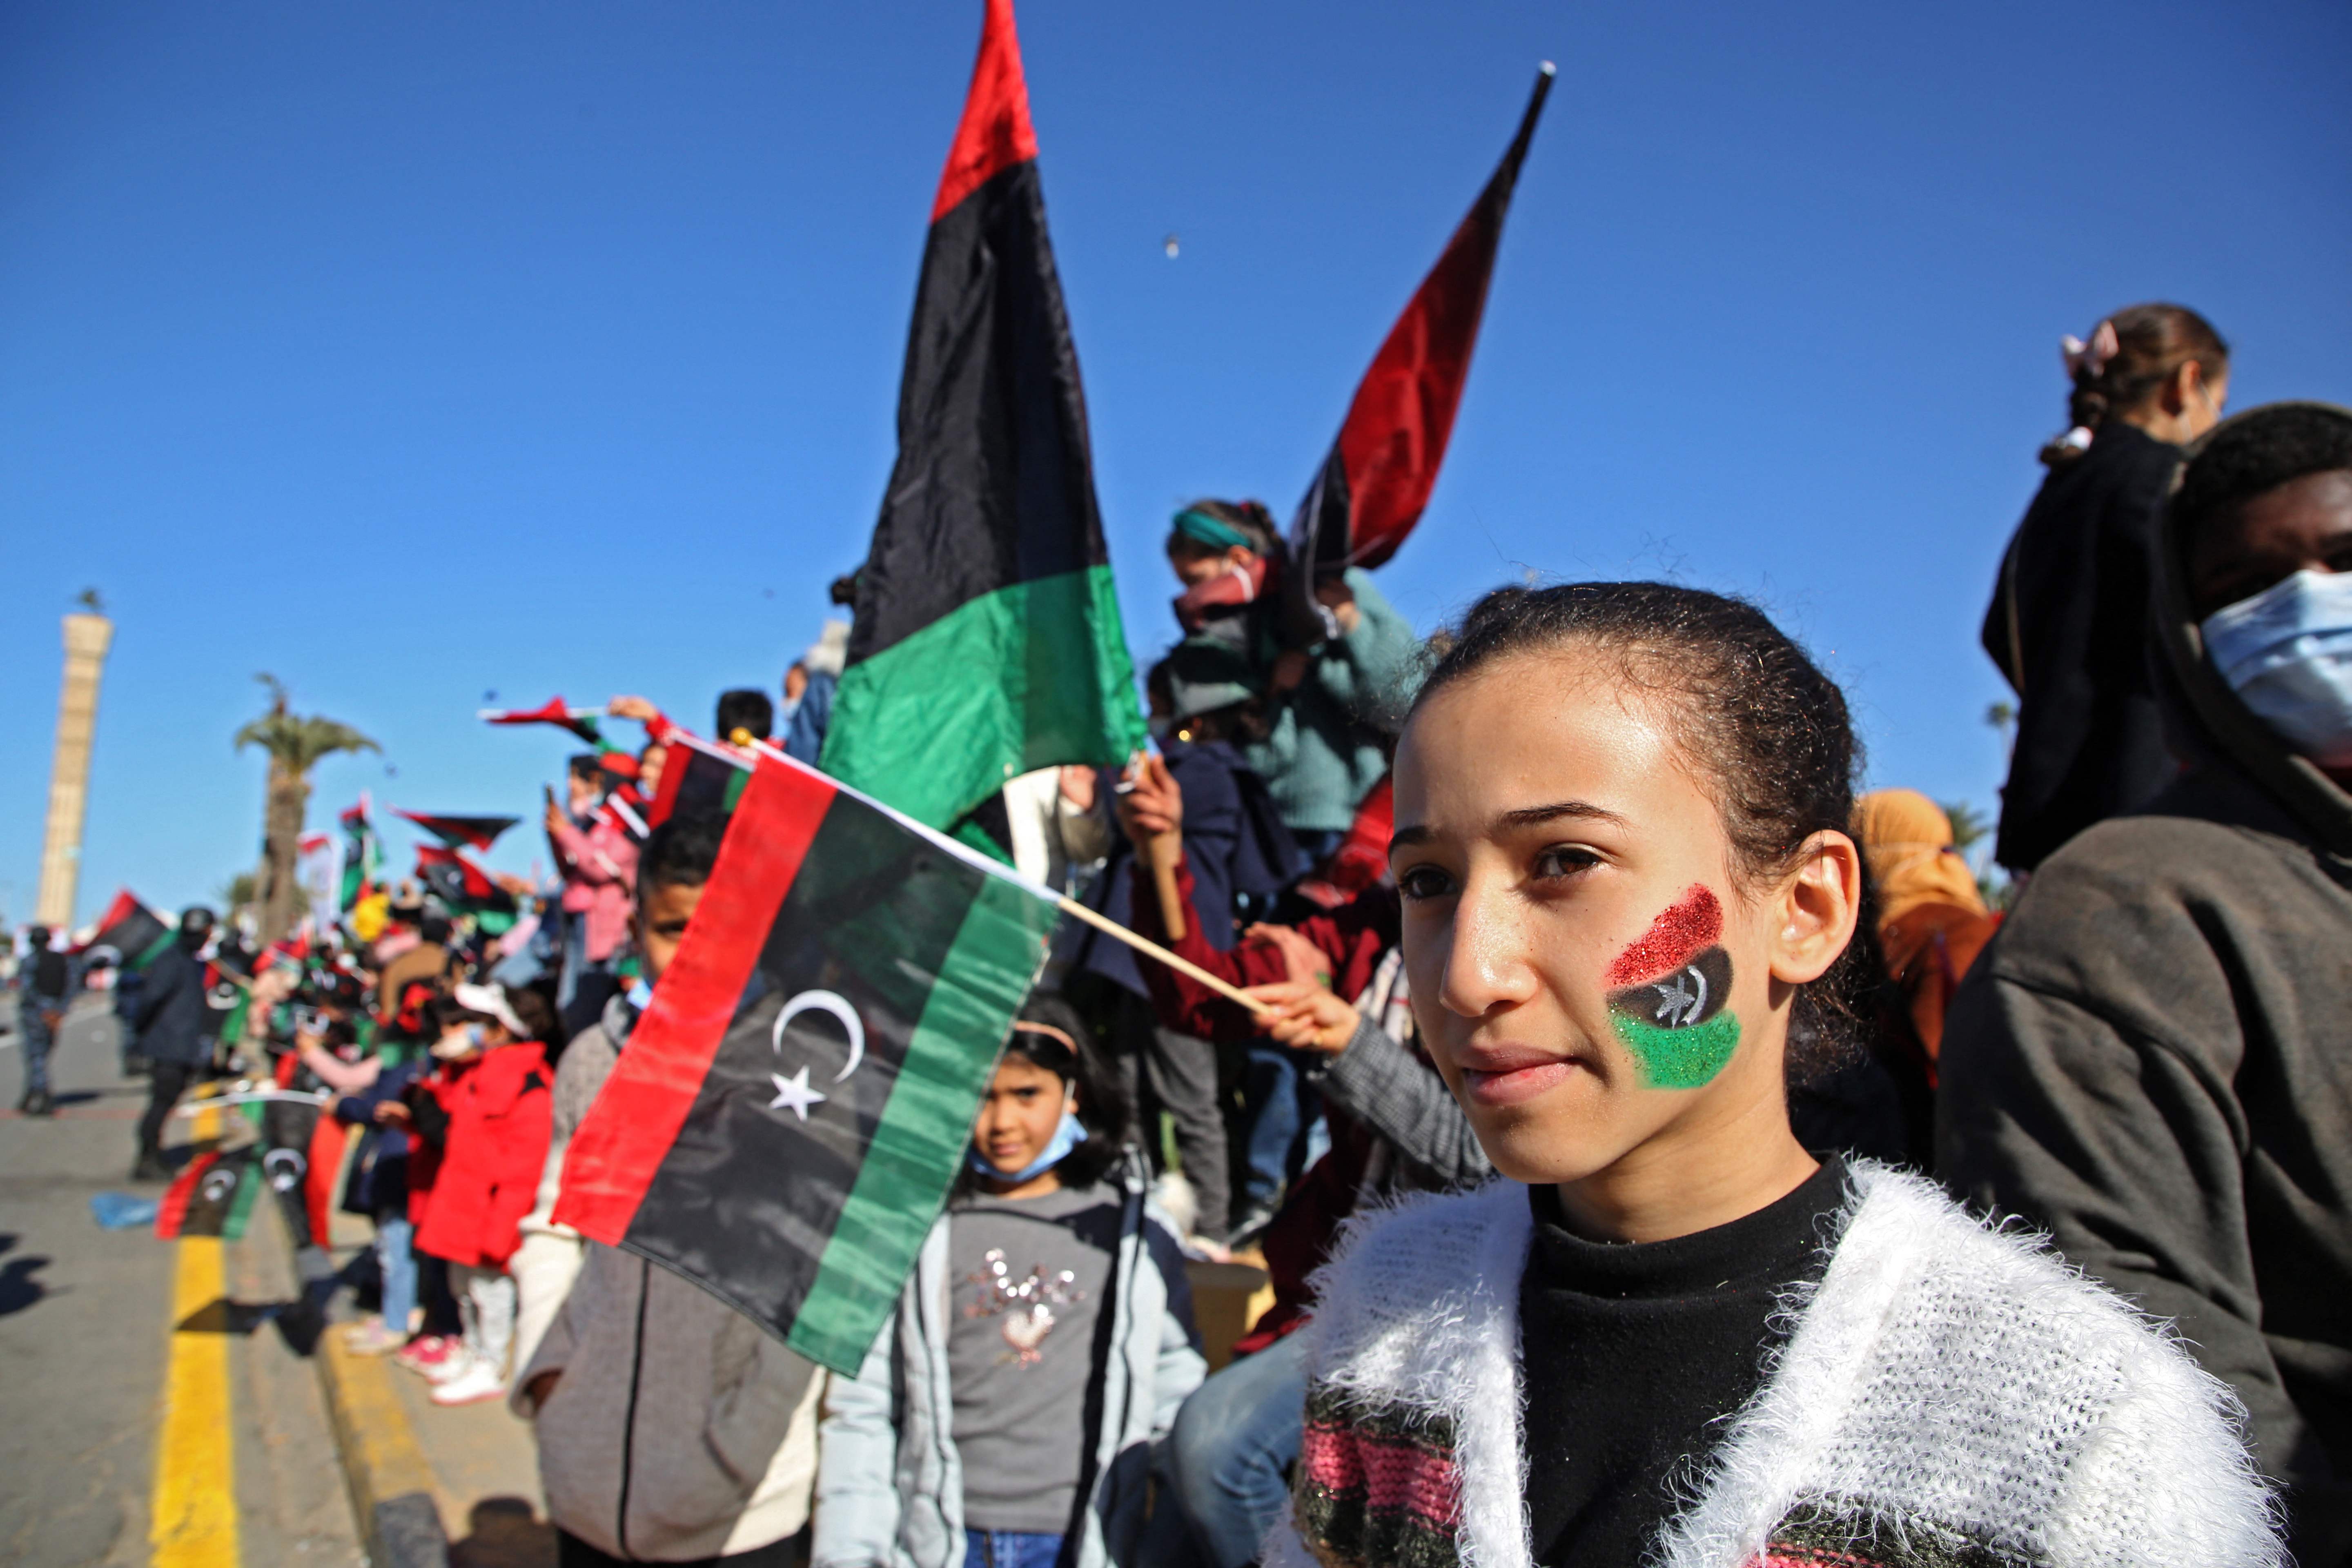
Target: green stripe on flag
{"type": "Point", "coordinates": [926, 1125]}
{"type": "Point", "coordinates": [1028, 676]}
{"type": "Point", "coordinates": [155, 950]}
{"type": "Point", "coordinates": [240, 1203]}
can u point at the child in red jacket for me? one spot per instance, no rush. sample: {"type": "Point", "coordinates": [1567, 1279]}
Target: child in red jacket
{"type": "Point", "coordinates": [500, 1112]}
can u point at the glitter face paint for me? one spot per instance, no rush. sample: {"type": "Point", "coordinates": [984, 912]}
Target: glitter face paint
{"type": "Point", "coordinates": [1667, 992]}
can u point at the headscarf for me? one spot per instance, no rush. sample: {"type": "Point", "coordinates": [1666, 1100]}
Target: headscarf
{"type": "Point", "coordinates": [1906, 840]}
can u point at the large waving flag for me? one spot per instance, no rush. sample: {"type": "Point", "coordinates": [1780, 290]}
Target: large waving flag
{"type": "Point", "coordinates": [987, 640]}
{"type": "Point", "coordinates": [793, 1105]}
{"type": "Point", "coordinates": [1377, 478]}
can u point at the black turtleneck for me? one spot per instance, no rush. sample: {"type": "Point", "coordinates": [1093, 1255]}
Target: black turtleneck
{"type": "Point", "coordinates": [1633, 1353]}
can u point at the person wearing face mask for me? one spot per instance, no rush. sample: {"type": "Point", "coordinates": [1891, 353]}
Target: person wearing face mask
{"type": "Point", "coordinates": [2154, 1057]}
{"type": "Point", "coordinates": [2068, 623]}
{"type": "Point", "coordinates": [1328, 708]}
{"type": "Point", "coordinates": [1632, 913]}
{"type": "Point", "coordinates": [1011, 1412]}
{"type": "Point", "coordinates": [493, 1142]}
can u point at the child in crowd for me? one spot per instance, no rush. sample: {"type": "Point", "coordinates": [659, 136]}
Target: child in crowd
{"type": "Point", "coordinates": [492, 1113]}
{"type": "Point", "coordinates": [1008, 1414]}
{"type": "Point", "coordinates": [1675, 1336]}
{"type": "Point", "coordinates": [675, 1429]}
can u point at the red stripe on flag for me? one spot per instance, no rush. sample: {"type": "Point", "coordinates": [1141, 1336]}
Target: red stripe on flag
{"type": "Point", "coordinates": [322, 1163]}
{"type": "Point", "coordinates": [995, 133]}
{"type": "Point", "coordinates": [627, 1132]}
{"type": "Point", "coordinates": [172, 1212]}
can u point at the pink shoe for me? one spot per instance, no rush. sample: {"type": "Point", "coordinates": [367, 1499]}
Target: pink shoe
{"type": "Point", "coordinates": [373, 1337]}
{"type": "Point", "coordinates": [430, 1354]}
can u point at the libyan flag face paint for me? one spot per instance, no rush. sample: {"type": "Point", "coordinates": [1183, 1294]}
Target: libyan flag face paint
{"type": "Point", "coordinates": [784, 1123]}
{"type": "Point", "coordinates": [1668, 996]}
{"type": "Point", "coordinates": [987, 640]}
{"type": "Point", "coordinates": [214, 1196]}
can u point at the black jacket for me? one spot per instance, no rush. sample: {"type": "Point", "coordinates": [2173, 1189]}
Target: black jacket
{"type": "Point", "coordinates": [2153, 1062]}
{"type": "Point", "coordinates": [2069, 627]}
{"type": "Point", "coordinates": [172, 1020]}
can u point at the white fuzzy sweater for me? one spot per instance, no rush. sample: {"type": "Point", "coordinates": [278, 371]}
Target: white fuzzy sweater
{"type": "Point", "coordinates": [1949, 1394]}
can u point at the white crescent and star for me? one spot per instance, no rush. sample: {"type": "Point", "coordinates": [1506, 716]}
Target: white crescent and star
{"type": "Point", "coordinates": [793, 1092]}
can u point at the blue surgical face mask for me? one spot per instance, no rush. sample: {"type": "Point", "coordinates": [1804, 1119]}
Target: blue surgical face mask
{"type": "Point", "coordinates": [2287, 653]}
{"type": "Point", "coordinates": [1066, 1137]}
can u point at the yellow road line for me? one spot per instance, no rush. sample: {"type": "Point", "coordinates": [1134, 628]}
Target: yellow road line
{"type": "Point", "coordinates": [195, 1513]}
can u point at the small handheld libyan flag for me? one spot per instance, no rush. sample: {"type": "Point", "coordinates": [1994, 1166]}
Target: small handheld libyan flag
{"type": "Point", "coordinates": [460, 832]}
{"type": "Point", "coordinates": [581, 722]}
{"type": "Point", "coordinates": [795, 1100]}
{"type": "Point", "coordinates": [135, 932]}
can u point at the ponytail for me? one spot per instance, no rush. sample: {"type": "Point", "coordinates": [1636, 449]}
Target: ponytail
{"type": "Point", "coordinates": [2126, 358]}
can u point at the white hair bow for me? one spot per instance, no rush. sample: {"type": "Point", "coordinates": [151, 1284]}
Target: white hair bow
{"type": "Point", "coordinates": [2088, 360]}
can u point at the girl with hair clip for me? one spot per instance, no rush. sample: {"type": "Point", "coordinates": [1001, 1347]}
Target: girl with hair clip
{"type": "Point", "coordinates": [1672, 1335]}
{"type": "Point", "coordinates": [1010, 1412]}
{"type": "Point", "coordinates": [2069, 621]}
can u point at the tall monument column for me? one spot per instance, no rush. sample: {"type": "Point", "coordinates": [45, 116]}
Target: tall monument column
{"type": "Point", "coordinates": [87, 636]}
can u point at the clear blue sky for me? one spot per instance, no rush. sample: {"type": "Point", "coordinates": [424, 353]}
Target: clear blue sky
{"type": "Point", "coordinates": [415, 351]}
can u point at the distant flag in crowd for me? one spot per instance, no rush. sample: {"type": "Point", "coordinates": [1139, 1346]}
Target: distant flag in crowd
{"type": "Point", "coordinates": [987, 639]}
{"type": "Point", "coordinates": [697, 777]}
{"type": "Point", "coordinates": [214, 1196]}
{"type": "Point", "coordinates": [460, 885]}
{"type": "Point", "coordinates": [1378, 476]}
{"type": "Point", "coordinates": [795, 1101]}
{"type": "Point", "coordinates": [319, 872]}
{"type": "Point", "coordinates": [135, 932]}
{"type": "Point", "coordinates": [460, 832]}
{"type": "Point", "coordinates": [362, 855]}
{"type": "Point", "coordinates": [581, 722]}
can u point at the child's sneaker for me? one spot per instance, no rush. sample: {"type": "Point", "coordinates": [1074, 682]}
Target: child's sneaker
{"type": "Point", "coordinates": [430, 1354]}
{"type": "Point", "coordinates": [479, 1381]}
{"type": "Point", "coordinates": [373, 1337]}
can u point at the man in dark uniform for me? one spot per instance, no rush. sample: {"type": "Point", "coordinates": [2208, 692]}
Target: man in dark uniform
{"type": "Point", "coordinates": [173, 1023]}
{"type": "Point", "coordinates": [40, 1011]}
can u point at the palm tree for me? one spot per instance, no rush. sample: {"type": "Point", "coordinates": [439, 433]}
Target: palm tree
{"type": "Point", "coordinates": [295, 745]}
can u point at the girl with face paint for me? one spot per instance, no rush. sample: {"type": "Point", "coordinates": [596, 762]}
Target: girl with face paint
{"type": "Point", "coordinates": [1631, 913]}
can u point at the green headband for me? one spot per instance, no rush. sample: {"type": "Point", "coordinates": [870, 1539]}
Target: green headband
{"type": "Point", "coordinates": [1202, 529]}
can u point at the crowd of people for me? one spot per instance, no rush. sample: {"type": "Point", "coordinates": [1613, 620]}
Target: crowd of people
{"type": "Point", "coordinates": [1658, 1153]}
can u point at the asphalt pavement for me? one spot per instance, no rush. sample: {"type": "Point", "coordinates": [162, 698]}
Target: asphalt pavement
{"type": "Point", "coordinates": [156, 1401]}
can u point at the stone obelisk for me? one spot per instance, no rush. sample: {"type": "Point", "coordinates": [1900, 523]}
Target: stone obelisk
{"type": "Point", "coordinates": [87, 636]}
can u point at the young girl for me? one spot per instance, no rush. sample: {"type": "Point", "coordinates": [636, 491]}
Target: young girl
{"type": "Point", "coordinates": [1675, 1336]}
{"type": "Point", "coordinates": [499, 1112]}
{"type": "Point", "coordinates": [1038, 1355]}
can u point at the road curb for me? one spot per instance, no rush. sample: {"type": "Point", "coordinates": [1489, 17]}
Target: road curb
{"type": "Point", "coordinates": [391, 1485]}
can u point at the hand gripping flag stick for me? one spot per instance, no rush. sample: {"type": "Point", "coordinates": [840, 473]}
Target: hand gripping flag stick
{"type": "Point", "coordinates": [1068, 905]}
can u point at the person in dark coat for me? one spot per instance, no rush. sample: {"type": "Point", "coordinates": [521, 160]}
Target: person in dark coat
{"type": "Point", "coordinates": [1241, 855]}
{"type": "Point", "coordinates": [2150, 1061]}
{"type": "Point", "coordinates": [172, 1023]}
{"type": "Point", "coordinates": [2068, 625]}
{"type": "Point", "coordinates": [41, 998]}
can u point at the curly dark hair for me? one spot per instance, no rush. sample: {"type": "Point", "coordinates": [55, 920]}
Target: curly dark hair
{"type": "Point", "coordinates": [1768, 734]}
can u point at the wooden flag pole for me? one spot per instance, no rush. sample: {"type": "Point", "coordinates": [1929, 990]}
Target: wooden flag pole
{"type": "Point", "coordinates": [1144, 945]}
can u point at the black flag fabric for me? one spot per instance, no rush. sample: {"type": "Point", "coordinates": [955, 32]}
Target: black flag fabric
{"type": "Point", "coordinates": [987, 639]}
{"type": "Point", "coordinates": [1376, 480]}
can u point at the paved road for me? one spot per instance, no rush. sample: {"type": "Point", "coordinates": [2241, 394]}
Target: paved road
{"type": "Point", "coordinates": [103, 1407]}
